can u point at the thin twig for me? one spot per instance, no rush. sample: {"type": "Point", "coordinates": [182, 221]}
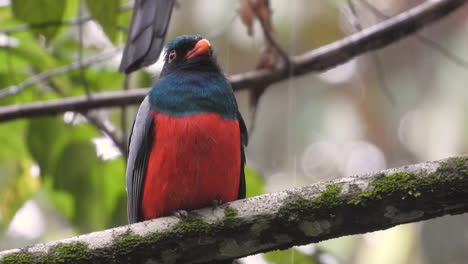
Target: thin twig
{"type": "Point", "coordinates": [374, 55]}
{"type": "Point", "coordinates": [84, 82]}
{"type": "Point", "coordinates": [14, 89]}
{"type": "Point", "coordinates": [94, 120]}
{"type": "Point", "coordinates": [320, 59]}
{"type": "Point", "coordinates": [108, 131]}
{"type": "Point", "coordinates": [269, 37]}
{"type": "Point", "coordinates": [425, 40]}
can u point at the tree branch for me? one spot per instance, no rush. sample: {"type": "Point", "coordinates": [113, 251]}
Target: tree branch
{"type": "Point", "coordinates": [14, 89]}
{"type": "Point", "coordinates": [279, 220]}
{"type": "Point", "coordinates": [76, 104]}
{"type": "Point", "coordinates": [326, 57]}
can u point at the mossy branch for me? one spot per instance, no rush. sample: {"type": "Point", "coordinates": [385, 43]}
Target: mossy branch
{"type": "Point", "coordinates": [279, 220]}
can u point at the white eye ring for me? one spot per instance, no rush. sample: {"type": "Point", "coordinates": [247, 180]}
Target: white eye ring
{"type": "Point", "coordinates": [172, 55]}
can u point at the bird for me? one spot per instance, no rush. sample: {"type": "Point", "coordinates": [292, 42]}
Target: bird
{"type": "Point", "coordinates": [145, 40]}
{"type": "Point", "coordinates": [186, 147]}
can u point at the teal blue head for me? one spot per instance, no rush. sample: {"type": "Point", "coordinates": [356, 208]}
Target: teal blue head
{"type": "Point", "coordinates": [188, 52]}
{"type": "Point", "coordinates": [191, 82]}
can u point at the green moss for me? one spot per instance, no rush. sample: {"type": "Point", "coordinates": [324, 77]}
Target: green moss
{"type": "Point", "coordinates": [401, 183]}
{"type": "Point", "coordinates": [411, 186]}
{"type": "Point", "coordinates": [17, 258]}
{"type": "Point", "coordinates": [127, 244]}
{"type": "Point", "coordinates": [192, 225]}
{"type": "Point", "coordinates": [230, 213]}
{"type": "Point", "coordinates": [73, 253]}
{"type": "Point", "coordinates": [295, 209]}
{"type": "Point", "coordinates": [330, 197]}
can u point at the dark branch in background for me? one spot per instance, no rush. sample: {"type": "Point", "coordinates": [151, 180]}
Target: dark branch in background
{"type": "Point", "coordinates": [14, 89]}
{"type": "Point", "coordinates": [108, 131]}
{"type": "Point", "coordinates": [297, 216]}
{"type": "Point", "coordinates": [425, 40]}
{"type": "Point", "coordinates": [94, 120]}
{"type": "Point", "coordinates": [320, 59]}
{"type": "Point", "coordinates": [75, 104]}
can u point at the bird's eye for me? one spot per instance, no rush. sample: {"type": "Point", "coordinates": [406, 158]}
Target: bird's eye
{"type": "Point", "coordinates": [172, 55]}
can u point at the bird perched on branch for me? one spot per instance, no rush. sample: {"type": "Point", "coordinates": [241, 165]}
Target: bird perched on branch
{"type": "Point", "coordinates": [186, 148]}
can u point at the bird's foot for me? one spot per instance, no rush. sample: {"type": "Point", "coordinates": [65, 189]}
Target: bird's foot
{"type": "Point", "coordinates": [181, 214]}
{"type": "Point", "coordinates": [216, 203]}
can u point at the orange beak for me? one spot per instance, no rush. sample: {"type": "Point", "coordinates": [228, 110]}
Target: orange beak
{"type": "Point", "coordinates": [201, 48]}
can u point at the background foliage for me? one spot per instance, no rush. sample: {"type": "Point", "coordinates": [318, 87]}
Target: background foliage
{"type": "Point", "coordinates": [404, 104]}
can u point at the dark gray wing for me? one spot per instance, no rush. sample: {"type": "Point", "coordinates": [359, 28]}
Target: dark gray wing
{"type": "Point", "coordinates": [145, 40]}
{"type": "Point", "coordinates": [243, 143]}
{"type": "Point", "coordinates": [139, 147]}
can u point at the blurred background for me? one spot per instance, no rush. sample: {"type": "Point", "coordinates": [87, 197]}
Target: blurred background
{"type": "Point", "coordinates": [62, 176]}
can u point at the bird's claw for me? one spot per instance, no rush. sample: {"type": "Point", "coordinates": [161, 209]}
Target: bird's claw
{"type": "Point", "coordinates": [216, 203]}
{"type": "Point", "coordinates": [181, 214]}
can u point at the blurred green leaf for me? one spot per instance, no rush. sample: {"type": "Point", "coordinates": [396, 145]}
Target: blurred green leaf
{"type": "Point", "coordinates": [106, 13]}
{"type": "Point", "coordinates": [103, 79]}
{"type": "Point", "coordinates": [290, 256]}
{"type": "Point", "coordinates": [44, 141]}
{"type": "Point", "coordinates": [73, 168]}
{"type": "Point", "coordinates": [17, 186]}
{"type": "Point", "coordinates": [254, 182]}
{"type": "Point", "coordinates": [12, 140]}
{"type": "Point", "coordinates": [16, 183]}
{"type": "Point", "coordinates": [85, 189]}
{"type": "Point", "coordinates": [108, 181]}
{"type": "Point", "coordinates": [40, 13]}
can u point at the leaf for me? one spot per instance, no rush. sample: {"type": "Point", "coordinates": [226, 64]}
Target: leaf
{"type": "Point", "coordinates": [108, 179]}
{"type": "Point", "coordinates": [72, 176]}
{"type": "Point", "coordinates": [43, 141]}
{"type": "Point", "coordinates": [291, 256]}
{"type": "Point", "coordinates": [16, 183]}
{"type": "Point", "coordinates": [16, 186]}
{"type": "Point", "coordinates": [73, 169]}
{"type": "Point", "coordinates": [254, 182]}
{"type": "Point", "coordinates": [45, 15]}
{"type": "Point", "coordinates": [106, 13]}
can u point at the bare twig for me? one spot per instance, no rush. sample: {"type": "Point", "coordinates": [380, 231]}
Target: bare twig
{"type": "Point", "coordinates": [14, 89]}
{"type": "Point", "coordinates": [425, 40]}
{"type": "Point", "coordinates": [94, 120]}
{"type": "Point", "coordinates": [267, 32]}
{"type": "Point", "coordinates": [279, 220]}
{"type": "Point", "coordinates": [84, 82]}
{"type": "Point", "coordinates": [374, 55]}
{"type": "Point", "coordinates": [326, 57]}
{"type": "Point", "coordinates": [108, 131]}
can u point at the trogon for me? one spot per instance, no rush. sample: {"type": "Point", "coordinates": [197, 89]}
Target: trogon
{"type": "Point", "coordinates": [186, 148]}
